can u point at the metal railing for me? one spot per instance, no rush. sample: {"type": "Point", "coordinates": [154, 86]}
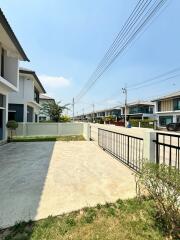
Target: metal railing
{"type": "Point", "coordinates": [168, 149]}
{"type": "Point", "coordinates": [126, 148]}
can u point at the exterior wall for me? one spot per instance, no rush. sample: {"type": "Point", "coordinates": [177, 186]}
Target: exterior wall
{"type": "Point", "coordinates": [25, 93]}
{"type": "Point", "coordinates": [166, 113]}
{"type": "Point", "coordinates": [25, 96]}
{"type": "Point", "coordinates": [50, 129]}
{"type": "Point", "coordinates": [11, 69]}
{"type": "Point", "coordinates": [166, 105]}
{"type": "Point", "coordinates": [4, 110]}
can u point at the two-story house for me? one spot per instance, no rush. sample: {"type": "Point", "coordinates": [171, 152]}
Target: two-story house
{"type": "Point", "coordinates": [44, 99]}
{"type": "Point", "coordinates": [11, 53]}
{"type": "Point", "coordinates": [167, 109]}
{"type": "Point", "coordinates": [139, 110]}
{"type": "Point", "coordinates": [24, 105]}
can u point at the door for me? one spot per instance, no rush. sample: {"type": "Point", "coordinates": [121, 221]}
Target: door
{"type": "Point", "coordinates": [1, 124]}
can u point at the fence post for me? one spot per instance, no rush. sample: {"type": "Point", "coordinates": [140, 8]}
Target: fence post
{"type": "Point", "coordinates": [149, 147]}
{"type": "Point", "coordinates": [86, 131]}
{"type": "Point", "coordinates": [59, 129]}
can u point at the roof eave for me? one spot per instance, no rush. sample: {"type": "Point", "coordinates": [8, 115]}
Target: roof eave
{"type": "Point", "coordinates": [35, 76]}
{"type": "Point", "coordinates": [12, 36]}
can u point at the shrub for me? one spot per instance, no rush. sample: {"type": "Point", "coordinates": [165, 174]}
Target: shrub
{"type": "Point", "coordinates": [64, 118]}
{"type": "Point", "coordinates": [12, 125]}
{"type": "Point", "coordinates": [162, 184]}
{"type": "Point", "coordinates": [146, 123]}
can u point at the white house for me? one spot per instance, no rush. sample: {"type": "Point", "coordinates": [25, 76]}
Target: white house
{"type": "Point", "coordinates": [10, 54]}
{"type": "Point", "coordinates": [44, 99]}
{"type": "Point", "coordinates": [140, 110]}
{"type": "Point", "coordinates": [24, 105]}
{"type": "Point", "coordinates": [168, 109]}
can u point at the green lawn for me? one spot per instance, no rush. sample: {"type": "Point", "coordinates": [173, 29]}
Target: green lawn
{"type": "Point", "coordinates": [47, 138]}
{"type": "Point", "coordinates": [126, 220]}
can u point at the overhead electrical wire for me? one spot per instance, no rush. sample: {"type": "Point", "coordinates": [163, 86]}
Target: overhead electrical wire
{"type": "Point", "coordinates": [122, 41]}
{"type": "Point", "coordinates": [171, 74]}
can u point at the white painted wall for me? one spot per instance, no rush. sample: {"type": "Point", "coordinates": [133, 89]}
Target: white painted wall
{"type": "Point", "coordinates": [5, 112]}
{"type": "Point", "coordinates": [51, 129]}
{"type": "Point", "coordinates": [25, 96]}
{"type": "Point", "coordinates": [25, 93]}
{"type": "Point", "coordinates": [11, 69]}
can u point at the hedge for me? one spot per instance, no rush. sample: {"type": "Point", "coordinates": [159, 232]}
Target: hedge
{"type": "Point", "coordinates": [146, 123]}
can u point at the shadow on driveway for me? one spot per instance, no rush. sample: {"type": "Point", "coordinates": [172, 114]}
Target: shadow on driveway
{"type": "Point", "coordinates": [23, 170]}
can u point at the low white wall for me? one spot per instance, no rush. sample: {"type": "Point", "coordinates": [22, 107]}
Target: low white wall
{"type": "Point", "coordinates": [50, 129]}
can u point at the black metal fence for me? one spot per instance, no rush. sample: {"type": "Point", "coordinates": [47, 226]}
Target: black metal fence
{"type": "Point", "coordinates": [126, 148]}
{"type": "Point", "coordinates": [168, 149]}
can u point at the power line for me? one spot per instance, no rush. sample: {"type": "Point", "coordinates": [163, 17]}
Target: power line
{"type": "Point", "coordinates": [126, 40]}
{"type": "Point", "coordinates": [159, 78]}
{"type": "Point", "coordinates": [175, 70]}
{"type": "Point", "coordinates": [118, 38]}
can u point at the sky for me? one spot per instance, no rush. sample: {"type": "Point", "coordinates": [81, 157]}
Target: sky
{"type": "Point", "coordinates": [66, 39]}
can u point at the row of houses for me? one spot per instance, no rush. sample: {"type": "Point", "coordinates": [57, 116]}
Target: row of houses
{"type": "Point", "coordinates": [165, 110]}
{"type": "Point", "coordinates": [21, 92]}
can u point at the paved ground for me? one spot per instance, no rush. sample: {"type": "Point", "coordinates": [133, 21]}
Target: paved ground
{"type": "Point", "coordinates": [47, 178]}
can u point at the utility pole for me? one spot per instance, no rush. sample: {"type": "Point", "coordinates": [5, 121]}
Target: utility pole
{"type": "Point", "coordinates": [73, 108]}
{"type": "Point", "coordinates": [83, 113]}
{"type": "Point", "coordinates": [125, 104]}
{"type": "Point", "coordinates": [93, 112]}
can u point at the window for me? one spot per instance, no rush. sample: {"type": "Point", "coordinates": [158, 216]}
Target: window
{"type": "Point", "coordinates": [16, 112]}
{"type": "Point", "coordinates": [176, 104]}
{"type": "Point", "coordinates": [164, 120]}
{"type": "Point", "coordinates": [1, 100]}
{"type": "Point", "coordinates": [159, 106]}
{"type": "Point", "coordinates": [12, 116]}
{"type": "Point", "coordinates": [36, 96]}
{"type": "Point", "coordinates": [2, 62]}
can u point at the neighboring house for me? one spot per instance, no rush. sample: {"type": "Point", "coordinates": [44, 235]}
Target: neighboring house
{"type": "Point", "coordinates": [168, 109]}
{"type": "Point", "coordinates": [24, 105]}
{"type": "Point", "coordinates": [11, 53]}
{"type": "Point", "coordinates": [140, 110]}
{"type": "Point", "coordinates": [100, 114]}
{"type": "Point", "coordinates": [44, 99]}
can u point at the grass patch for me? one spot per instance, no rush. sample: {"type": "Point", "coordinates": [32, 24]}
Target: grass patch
{"type": "Point", "coordinates": [130, 220]}
{"type": "Point", "coordinates": [47, 138]}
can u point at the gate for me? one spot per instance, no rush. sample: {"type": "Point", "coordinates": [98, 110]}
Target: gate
{"type": "Point", "coordinates": [128, 149]}
{"type": "Point", "coordinates": [168, 149]}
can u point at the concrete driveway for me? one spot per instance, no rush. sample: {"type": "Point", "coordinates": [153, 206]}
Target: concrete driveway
{"type": "Point", "coordinates": [50, 178]}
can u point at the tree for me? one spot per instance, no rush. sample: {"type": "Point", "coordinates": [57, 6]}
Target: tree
{"type": "Point", "coordinates": [54, 110]}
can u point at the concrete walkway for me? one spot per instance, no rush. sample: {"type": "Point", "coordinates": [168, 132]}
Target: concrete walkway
{"type": "Point", "coordinates": [50, 178]}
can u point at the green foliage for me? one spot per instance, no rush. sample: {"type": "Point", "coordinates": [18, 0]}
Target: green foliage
{"type": "Point", "coordinates": [89, 216]}
{"type": "Point", "coordinates": [64, 118]}
{"type": "Point", "coordinates": [146, 123]}
{"type": "Point", "coordinates": [109, 118]}
{"type": "Point", "coordinates": [162, 184]}
{"type": "Point", "coordinates": [12, 125]}
{"type": "Point", "coordinates": [53, 109]}
{"type": "Point", "coordinates": [48, 138]}
{"type": "Point", "coordinates": [125, 219]}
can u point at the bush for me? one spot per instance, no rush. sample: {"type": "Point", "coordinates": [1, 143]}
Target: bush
{"type": "Point", "coordinates": [146, 123]}
{"type": "Point", "coordinates": [162, 184]}
{"type": "Point", "coordinates": [12, 125]}
{"type": "Point", "coordinates": [64, 118]}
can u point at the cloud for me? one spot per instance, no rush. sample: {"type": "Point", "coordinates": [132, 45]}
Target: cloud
{"type": "Point", "coordinates": [54, 82]}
